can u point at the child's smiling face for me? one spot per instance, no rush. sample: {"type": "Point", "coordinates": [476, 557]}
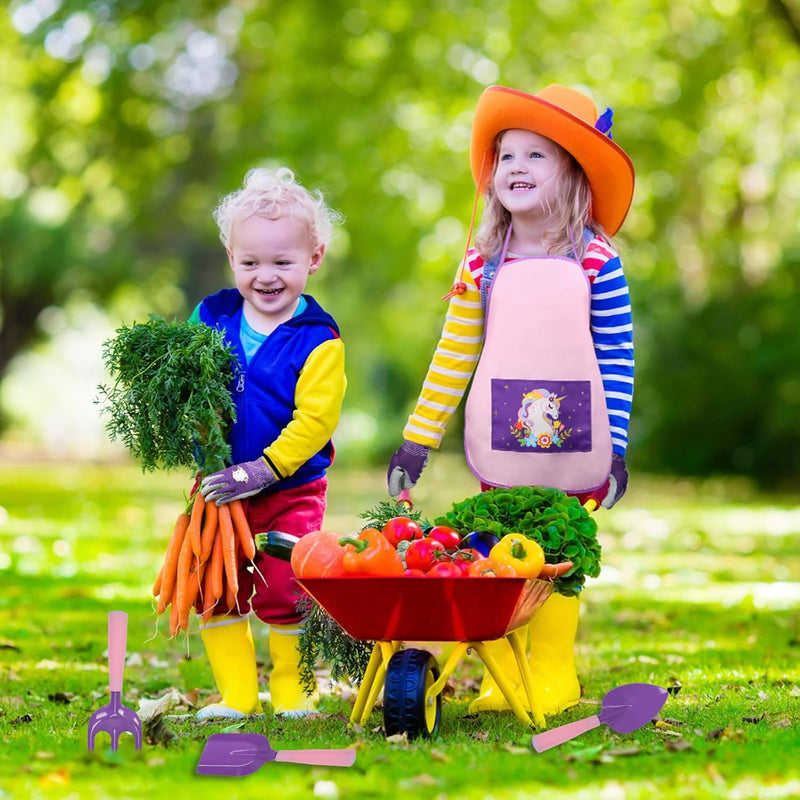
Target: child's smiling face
{"type": "Point", "coordinates": [526, 172]}
{"type": "Point", "coordinates": [271, 260]}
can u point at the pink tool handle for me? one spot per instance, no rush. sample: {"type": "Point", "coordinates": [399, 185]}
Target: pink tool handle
{"type": "Point", "coordinates": [320, 758]}
{"type": "Point", "coordinates": [544, 741]}
{"type": "Point", "coordinates": [117, 639]}
{"type": "Point", "coordinates": [405, 497]}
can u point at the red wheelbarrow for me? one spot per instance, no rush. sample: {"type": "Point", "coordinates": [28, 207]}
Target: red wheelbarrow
{"type": "Point", "coordinates": [390, 611]}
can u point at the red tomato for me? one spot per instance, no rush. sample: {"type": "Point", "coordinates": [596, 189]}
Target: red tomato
{"type": "Point", "coordinates": [445, 569]}
{"type": "Point", "coordinates": [450, 538]}
{"type": "Point", "coordinates": [401, 529]}
{"type": "Point", "coordinates": [414, 573]}
{"type": "Point", "coordinates": [465, 558]}
{"type": "Point", "coordinates": [423, 554]}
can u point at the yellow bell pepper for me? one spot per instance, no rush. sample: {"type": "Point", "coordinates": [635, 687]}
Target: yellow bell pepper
{"type": "Point", "coordinates": [525, 555]}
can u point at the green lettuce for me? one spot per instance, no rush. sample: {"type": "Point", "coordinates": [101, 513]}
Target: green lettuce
{"type": "Point", "coordinates": [558, 522]}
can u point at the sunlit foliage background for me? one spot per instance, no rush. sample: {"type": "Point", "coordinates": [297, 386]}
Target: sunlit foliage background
{"type": "Point", "coordinates": [123, 122]}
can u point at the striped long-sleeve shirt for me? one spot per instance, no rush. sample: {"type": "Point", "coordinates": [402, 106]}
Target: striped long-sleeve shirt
{"type": "Point", "coordinates": [459, 347]}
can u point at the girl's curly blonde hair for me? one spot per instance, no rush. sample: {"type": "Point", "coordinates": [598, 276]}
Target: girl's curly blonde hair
{"type": "Point", "coordinates": [572, 212]}
{"type": "Point", "coordinates": [273, 194]}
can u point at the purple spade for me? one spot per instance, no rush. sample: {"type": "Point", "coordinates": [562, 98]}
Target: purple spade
{"type": "Point", "coordinates": [240, 754]}
{"type": "Point", "coordinates": [625, 709]}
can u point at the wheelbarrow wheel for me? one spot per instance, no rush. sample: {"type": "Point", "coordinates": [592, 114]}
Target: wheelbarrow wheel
{"type": "Point", "coordinates": [406, 707]}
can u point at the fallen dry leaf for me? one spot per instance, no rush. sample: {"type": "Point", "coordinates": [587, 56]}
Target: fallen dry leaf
{"type": "Point", "coordinates": [677, 746]}
{"type": "Point", "coordinates": [58, 778]}
{"type": "Point", "coordinates": [419, 780]}
{"type": "Point", "coordinates": [156, 731]}
{"type": "Point", "coordinates": [674, 686]}
{"type": "Point", "coordinates": [516, 751]}
{"type": "Point", "coordinates": [624, 751]}
{"type": "Point", "coordinates": [61, 697]}
{"type": "Point", "coordinates": [150, 708]}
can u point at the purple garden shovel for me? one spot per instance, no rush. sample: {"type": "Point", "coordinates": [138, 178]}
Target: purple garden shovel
{"type": "Point", "coordinates": [237, 754]}
{"type": "Point", "coordinates": [625, 709]}
{"type": "Point", "coordinates": [115, 718]}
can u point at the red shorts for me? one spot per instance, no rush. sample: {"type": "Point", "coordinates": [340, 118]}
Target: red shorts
{"type": "Point", "coordinates": [297, 511]}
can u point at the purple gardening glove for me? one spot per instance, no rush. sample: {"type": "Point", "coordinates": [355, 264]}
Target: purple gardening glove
{"type": "Point", "coordinates": [237, 481]}
{"type": "Point", "coordinates": [617, 481]}
{"type": "Point", "coordinates": [406, 466]}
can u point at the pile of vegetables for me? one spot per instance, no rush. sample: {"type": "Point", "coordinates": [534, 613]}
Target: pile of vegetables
{"type": "Point", "coordinates": [521, 532]}
{"type": "Point", "coordinates": [402, 548]}
{"type": "Point", "coordinates": [170, 405]}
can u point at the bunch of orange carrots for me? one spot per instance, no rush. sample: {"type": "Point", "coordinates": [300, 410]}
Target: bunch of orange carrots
{"type": "Point", "coordinates": [202, 561]}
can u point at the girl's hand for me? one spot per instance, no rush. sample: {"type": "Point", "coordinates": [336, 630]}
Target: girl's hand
{"type": "Point", "coordinates": [617, 481]}
{"type": "Point", "coordinates": [237, 481]}
{"type": "Point", "coordinates": [406, 466]}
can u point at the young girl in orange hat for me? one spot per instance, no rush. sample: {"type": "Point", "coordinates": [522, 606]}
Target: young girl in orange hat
{"type": "Point", "coordinates": [539, 320]}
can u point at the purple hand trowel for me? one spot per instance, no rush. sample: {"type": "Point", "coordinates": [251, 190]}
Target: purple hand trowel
{"type": "Point", "coordinates": [625, 709]}
{"type": "Point", "coordinates": [237, 754]}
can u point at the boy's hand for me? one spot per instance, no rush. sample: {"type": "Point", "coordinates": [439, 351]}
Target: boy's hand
{"type": "Point", "coordinates": [617, 481]}
{"type": "Point", "coordinates": [406, 466]}
{"type": "Point", "coordinates": [237, 481]}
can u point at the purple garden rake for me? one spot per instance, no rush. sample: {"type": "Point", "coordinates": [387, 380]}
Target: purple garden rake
{"type": "Point", "coordinates": [114, 717]}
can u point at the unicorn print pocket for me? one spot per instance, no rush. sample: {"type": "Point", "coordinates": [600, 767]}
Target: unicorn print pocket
{"type": "Point", "coordinates": [546, 416]}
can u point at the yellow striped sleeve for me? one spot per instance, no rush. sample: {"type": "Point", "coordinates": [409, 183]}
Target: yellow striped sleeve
{"type": "Point", "coordinates": [451, 368]}
{"type": "Point", "coordinates": [318, 400]}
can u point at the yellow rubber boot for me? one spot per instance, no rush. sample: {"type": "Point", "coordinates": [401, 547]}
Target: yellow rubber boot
{"type": "Point", "coordinates": [286, 691]}
{"type": "Point", "coordinates": [490, 697]}
{"type": "Point", "coordinates": [551, 642]}
{"type": "Point", "coordinates": [232, 655]}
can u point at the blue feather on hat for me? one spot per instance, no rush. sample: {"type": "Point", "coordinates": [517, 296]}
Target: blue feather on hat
{"type": "Point", "coordinates": [604, 123]}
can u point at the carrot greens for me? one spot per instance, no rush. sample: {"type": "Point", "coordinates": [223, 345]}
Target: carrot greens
{"type": "Point", "coordinates": [169, 402]}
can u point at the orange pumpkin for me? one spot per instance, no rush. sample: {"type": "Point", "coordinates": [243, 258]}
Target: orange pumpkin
{"type": "Point", "coordinates": [318, 555]}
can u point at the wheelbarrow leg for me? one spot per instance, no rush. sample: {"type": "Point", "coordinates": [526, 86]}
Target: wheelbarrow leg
{"type": "Point", "coordinates": [517, 641]}
{"type": "Point", "coordinates": [437, 687]}
{"type": "Point", "coordinates": [372, 682]}
{"type": "Point", "coordinates": [501, 679]}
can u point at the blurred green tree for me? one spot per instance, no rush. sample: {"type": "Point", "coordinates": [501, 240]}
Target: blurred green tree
{"type": "Point", "coordinates": [125, 121]}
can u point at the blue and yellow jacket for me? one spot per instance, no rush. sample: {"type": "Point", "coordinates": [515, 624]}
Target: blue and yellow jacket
{"type": "Point", "coordinates": [289, 397]}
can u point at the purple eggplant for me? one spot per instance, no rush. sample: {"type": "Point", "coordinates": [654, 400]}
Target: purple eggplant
{"type": "Point", "coordinates": [482, 541]}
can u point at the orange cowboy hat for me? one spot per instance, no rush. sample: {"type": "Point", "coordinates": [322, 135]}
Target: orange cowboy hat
{"type": "Point", "coordinates": [570, 119]}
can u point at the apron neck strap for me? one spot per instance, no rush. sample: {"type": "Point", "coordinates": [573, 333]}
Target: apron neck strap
{"type": "Point", "coordinates": [505, 246]}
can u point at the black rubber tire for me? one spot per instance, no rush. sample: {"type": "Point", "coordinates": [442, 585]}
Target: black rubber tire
{"type": "Point", "coordinates": [408, 676]}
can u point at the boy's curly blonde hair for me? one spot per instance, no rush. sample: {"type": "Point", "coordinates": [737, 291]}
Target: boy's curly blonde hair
{"type": "Point", "coordinates": [273, 194]}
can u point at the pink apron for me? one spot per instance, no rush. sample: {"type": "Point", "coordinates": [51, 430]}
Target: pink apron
{"type": "Point", "coordinates": [536, 411]}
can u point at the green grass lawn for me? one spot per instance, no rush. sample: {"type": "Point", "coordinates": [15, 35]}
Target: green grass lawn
{"type": "Point", "coordinates": [699, 593]}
